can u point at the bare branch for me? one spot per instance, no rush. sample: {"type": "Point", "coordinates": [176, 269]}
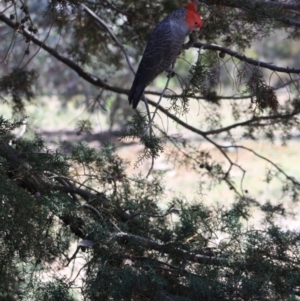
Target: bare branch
{"type": "Point", "coordinates": [113, 36]}
{"type": "Point", "coordinates": [292, 179]}
{"type": "Point", "coordinates": [253, 121]}
{"type": "Point", "coordinates": [169, 249]}
{"type": "Point", "coordinates": [246, 59]}
{"type": "Point", "coordinates": [88, 77]}
{"type": "Point", "coordinates": [283, 5]}
{"type": "Point", "coordinates": [88, 196]}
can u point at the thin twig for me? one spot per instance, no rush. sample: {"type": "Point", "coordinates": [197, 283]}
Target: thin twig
{"type": "Point", "coordinates": [113, 36]}
{"type": "Point", "coordinates": [292, 179]}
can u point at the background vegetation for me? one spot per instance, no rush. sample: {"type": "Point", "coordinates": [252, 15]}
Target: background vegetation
{"type": "Point", "coordinates": [195, 199]}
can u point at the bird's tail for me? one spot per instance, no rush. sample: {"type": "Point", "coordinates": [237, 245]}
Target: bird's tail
{"type": "Point", "coordinates": [135, 94]}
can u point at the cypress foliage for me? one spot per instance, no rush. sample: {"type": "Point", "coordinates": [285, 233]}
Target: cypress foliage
{"type": "Point", "coordinates": [138, 241]}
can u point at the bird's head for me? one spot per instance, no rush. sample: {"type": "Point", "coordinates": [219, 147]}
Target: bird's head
{"type": "Point", "coordinates": [192, 17]}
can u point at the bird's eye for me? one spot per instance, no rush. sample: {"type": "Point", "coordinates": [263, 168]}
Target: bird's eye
{"type": "Point", "coordinates": [196, 23]}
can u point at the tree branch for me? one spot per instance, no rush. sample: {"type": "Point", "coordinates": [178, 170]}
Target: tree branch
{"type": "Point", "coordinates": [290, 178]}
{"type": "Point", "coordinates": [88, 77]}
{"type": "Point", "coordinates": [168, 249]}
{"type": "Point", "coordinates": [229, 3]}
{"type": "Point", "coordinates": [285, 6]}
{"type": "Point", "coordinates": [246, 59]}
{"type": "Point", "coordinates": [113, 36]}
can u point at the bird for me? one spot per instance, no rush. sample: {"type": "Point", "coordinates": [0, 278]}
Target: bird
{"type": "Point", "coordinates": [163, 47]}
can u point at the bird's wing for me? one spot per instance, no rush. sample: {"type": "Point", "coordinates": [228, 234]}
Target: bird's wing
{"type": "Point", "coordinates": [157, 56]}
{"type": "Point", "coordinates": [161, 51]}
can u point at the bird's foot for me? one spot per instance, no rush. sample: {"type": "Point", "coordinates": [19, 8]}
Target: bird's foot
{"type": "Point", "coordinates": [191, 42]}
{"type": "Point", "coordinates": [171, 73]}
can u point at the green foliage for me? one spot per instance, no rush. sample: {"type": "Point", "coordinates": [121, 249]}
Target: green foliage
{"type": "Point", "coordinates": [59, 206]}
{"type": "Point", "coordinates": [202, 79]}
{"type": "Point", "coordinates": [19, 86]}
{"type": "Point", "coordinates": [140, 251]}
{"type": "Point", "coordinates": [84, 126]}
{"type": "Point", "coordinates": [264, 96]}
{"type": "Point", "coordinates": [57, 290]}
{"type": "Point", "coordinates": [138, 128]}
